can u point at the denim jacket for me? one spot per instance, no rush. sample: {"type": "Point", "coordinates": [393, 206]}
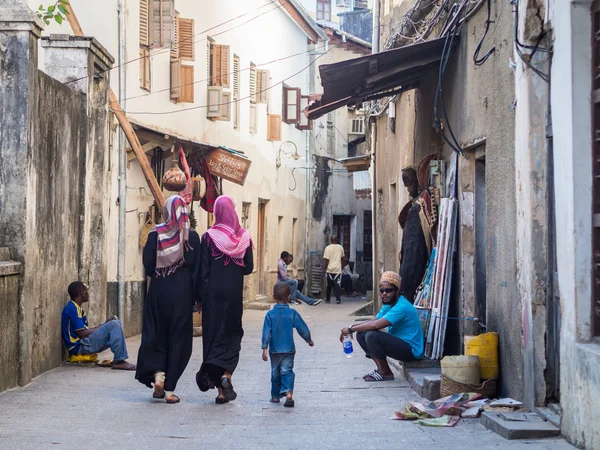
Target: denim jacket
{"type": "Point", "coordinates": [278, 329]}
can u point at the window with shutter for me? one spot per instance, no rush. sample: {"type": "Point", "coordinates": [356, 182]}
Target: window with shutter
{"type": "Point", "coordinates": [274, 127]}
{"type": "Point", "coordinates": [144, 23]}
{"type": "Point", "coordinates": [215, 98]}
{"type": "Point", "coordinates": [262, 86]}
{"type": "Point", "coordinates": [252, 119]}
{"type": "Point", "coordinates": [209, 45]}
{"type": "Point", "coordinates": [236, 91]}
{"type": "Point", "coordinates": [161, 23]}
{"type": "Point", "coordinates": [175, 80]}
{"type": "Point", "coordinates": [175, 43]}
{"type": "Point", "coordinates": [219, 65]}
{"type": "Point", "coordinates": [303, 122]}
{"type": "Point", "coordinates": [252, 83]}
{"type": "Point", "coordinates": [185, 39]}
{"type": "Point", "coordinates": [225, 107]}
{"type": "Point", "coordinates": [291, 105]}
{"type": "Point", "coordinates": [145, 68]}
{"type": "Point", "coordinates": [187, 84]}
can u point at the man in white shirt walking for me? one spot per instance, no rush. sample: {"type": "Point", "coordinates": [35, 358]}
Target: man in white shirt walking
{"type": "Point", "coordinates": [332, 261]}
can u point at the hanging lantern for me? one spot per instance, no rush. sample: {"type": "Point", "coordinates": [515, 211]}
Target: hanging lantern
{"type": "Point", "coordinates": [174, 180]}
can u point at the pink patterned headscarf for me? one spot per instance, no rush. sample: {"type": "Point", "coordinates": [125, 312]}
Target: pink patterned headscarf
{"type": "Point", "coordinates": [173, 236]}
{"type": "Point", "coordinates": [226, 235]}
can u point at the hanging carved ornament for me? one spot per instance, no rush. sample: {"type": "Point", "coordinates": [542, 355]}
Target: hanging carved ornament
{"type": "Point", "coordinates": [198, 188]}
{"type": "Point", "coordinates": [174, 180]}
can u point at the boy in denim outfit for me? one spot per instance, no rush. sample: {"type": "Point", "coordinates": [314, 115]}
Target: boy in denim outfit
{"type": "Point", "coordinates": [278, 338]}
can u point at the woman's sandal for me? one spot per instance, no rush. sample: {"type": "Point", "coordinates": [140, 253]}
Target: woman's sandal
{"type": "Point", "coordinates": [221, 401]}
{"type": "Point", "coordinates": [159, 390]}
{"type": "Point", "coordinates": [172, 399]}
{"type": "Point", "coordinates": [376, 376]}
{"type": "Point", "coordinates": [228, 391]}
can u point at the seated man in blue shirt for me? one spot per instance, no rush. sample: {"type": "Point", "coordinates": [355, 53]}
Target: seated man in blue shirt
{"type": "Point", "coordinates": [81, 340]}
{"type": "Point", "coordinates": [404, 338]}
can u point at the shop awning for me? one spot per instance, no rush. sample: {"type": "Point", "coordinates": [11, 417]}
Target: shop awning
{"type": "Point", "coordinates": [352, 82]}
{"type": "Point", "coordinates": [223, 162]}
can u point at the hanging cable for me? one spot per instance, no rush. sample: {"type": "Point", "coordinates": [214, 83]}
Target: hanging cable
{"type": "Point", "coordinates": [518, 45]}
{"type": "Point", "coordinates": [480, 61]}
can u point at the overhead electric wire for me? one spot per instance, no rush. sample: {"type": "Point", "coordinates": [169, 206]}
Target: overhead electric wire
{"type": "Point", "coordinates": [163, 113]}
{"type": "Point", "coordinates": [165, 50]}
{"type": "Point", "coordinates": [519, 45]}
{"type": "Point", "coordinates": [480, 61]}
{"type": "Point", "coordinates": [148, 94]}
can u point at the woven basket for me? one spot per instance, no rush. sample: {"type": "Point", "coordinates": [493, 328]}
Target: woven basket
{"type": "Point", "coordinates": [450, 387]}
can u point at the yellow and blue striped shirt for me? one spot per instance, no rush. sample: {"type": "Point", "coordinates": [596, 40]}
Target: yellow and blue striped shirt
{"type": "Point", "coordinates": [73, 319]}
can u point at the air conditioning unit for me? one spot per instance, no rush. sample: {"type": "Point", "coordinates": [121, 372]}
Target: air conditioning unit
{"type": "Point", "coordinates": [214, 100]}
{"type": "Point", "coordinates": [357, 126]}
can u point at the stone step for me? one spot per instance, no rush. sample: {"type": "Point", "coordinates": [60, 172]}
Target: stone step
{"type": "Point", "coordinates": [404, 366]}
{"type": "Point", "coordinates": [425, 382]}
{"type": "Point", "coordinates": [258, 306]}
{"type": "Point", "coordinates": [549, 415]}
{"type": "Point", "coordinates": [518, 425]}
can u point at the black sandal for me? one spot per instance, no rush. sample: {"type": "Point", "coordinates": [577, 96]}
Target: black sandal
{"type": "Point", "coordinates": [289, 403]}
{"type": "Point", "coordinates": [228, 391]}
{"type": "Point", "coordinates": [221, 401]}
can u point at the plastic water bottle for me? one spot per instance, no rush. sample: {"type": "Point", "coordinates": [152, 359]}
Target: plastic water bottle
{"type": "Point", "coordinates": [348, 350]}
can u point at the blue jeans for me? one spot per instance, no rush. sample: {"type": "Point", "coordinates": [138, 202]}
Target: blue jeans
{"type": "Point", "coordinates": [296, 294]}
{"type": "Point", "coordinates": [110, 335]}
{"type": "Point", "coordinates": [282, 374]}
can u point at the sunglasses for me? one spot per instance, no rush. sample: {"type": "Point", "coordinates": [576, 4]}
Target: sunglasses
{"type": "Point", "coordinates": [387, 290]}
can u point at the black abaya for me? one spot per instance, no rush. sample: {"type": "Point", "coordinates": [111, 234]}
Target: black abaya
{"type": "Point", "coordinates": [221, 290]}
{"type": "Point", "coordinates": [167, 329]}
{"type": "Point", "coordinates": [415, 256]}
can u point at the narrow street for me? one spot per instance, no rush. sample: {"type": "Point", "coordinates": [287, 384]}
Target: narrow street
{"type": "Point", "coordinates": [92, 407]}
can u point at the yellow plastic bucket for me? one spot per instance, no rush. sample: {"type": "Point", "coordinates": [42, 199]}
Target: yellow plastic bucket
{"type": "Point", "coordinates": [486, 347]}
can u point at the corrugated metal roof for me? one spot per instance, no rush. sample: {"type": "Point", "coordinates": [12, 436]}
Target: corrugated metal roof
{"type": "Point", "coordinates": [352, 82]}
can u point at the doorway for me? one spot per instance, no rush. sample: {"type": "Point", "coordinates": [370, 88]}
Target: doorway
{"type": "Point", "coordinates": [341, 229]}
{"type": "Point", "coordinates": [262, 245]}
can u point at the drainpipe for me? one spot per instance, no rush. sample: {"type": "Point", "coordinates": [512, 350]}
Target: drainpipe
{"type": "Point", "coordinates": [307, 271]}
{"type": "Point", "coordinates": [373, 171]}
{"type": "Point", "coordinates": [122, 169]}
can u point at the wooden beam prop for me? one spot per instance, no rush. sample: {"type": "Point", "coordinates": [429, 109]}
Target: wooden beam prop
{"type": "Point", "coordinates": [125, 124]}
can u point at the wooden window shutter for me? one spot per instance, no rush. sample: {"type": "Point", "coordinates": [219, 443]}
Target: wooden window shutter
{"type": "Point", "coordinates": [274, 130]}
{"type": "Point", "coordinates": [236, 76]}
{"type": "Point", "coordinates": [291, 105]}
{"type": "Point", "coordinates": [144, 23]}
{"type": "Point", "coordinates": [145, 68]}
{"type": "Point", "coordinates": [224, 65]}
{"type": "Point", "coordinates": [252, 126]}
{"type": "Point", "coordinates": [175, 44]}
{"type": "Point", "coordinates": [252, 83]}
{"type": "Point", "coordinates": [262, 89]}
{"type": "Point", "coordinates": [225, 107]}
{"type": "Point", "coordinates": [162, 23]}
{"type": "Point", "coordinates": [175, 80]}
{"type": "Point", "coordinates": [303, 122]}
{"type": "Point", "coordinates": [187, 84]}
{"type": "Point", "coordinates": [220, 65]}
{"type": "Point", "coordinates": [214, 100]}
{"type": "Point", "coordinates": [185, 39]}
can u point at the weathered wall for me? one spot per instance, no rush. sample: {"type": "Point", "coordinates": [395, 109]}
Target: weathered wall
{"type": "Point", "coordinates": [46, 154]}
{"type": "Point", "coordinates": [478, 100]}
{"type": "Point", "coordinates": [573, 187]}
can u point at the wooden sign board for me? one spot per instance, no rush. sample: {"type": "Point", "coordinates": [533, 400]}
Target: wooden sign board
{"type": "Point", "coordinates": [228, 166]}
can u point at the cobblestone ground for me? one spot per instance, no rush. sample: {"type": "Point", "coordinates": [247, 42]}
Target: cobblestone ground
{"type": "Point", "coordinates": [90, 407]}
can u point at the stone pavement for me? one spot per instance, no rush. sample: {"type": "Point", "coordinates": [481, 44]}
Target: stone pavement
{"type": "Point", "coordinates": [96, 408]}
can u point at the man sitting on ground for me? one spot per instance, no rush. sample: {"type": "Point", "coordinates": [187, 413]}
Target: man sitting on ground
{"type": "Point", "coordinates": [283, 277]}
{"type": "Point", "coordinates": [350, 280]}
{"type": "Point", "coordinates": [81, 340]}
{"type": "Point", "coordinates": [404, 338]}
